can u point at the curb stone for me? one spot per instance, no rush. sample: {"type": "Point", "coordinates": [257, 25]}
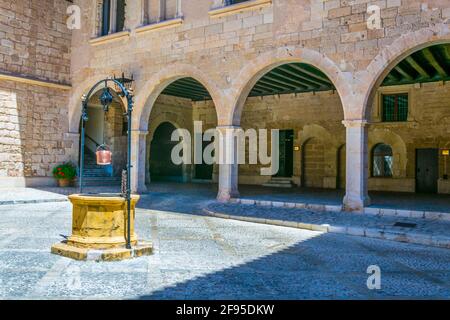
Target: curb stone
{"type": "Point", "coordinates": [375, 233]}
{"type": "Point", "coordinates": [12, 202]}
{"type": "Point", "coordinates": [388, 212]}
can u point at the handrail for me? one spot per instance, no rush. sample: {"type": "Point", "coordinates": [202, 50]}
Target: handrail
{"type": "Point", "coordinates": [90, 138]}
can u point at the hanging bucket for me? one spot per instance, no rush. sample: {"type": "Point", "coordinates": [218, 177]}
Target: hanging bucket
{"type": "Point", "coordinates": [104, 155]}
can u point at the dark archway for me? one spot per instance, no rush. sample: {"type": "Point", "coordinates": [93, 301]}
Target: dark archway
{"type": "Point", "coordinates": [108, 128]}
{"type": "Point", "coordinates": [162, 167]}
{"type": "Point", "coordinates": [187, 105]}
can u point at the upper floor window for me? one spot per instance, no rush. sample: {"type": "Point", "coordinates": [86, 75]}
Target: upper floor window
{"type": "Point", "coordinates": [382, 158]}
{"type": "Point", "coordinates": [231, 2]}
{"type": "Point", "coordinates": [113, 16]}
{"type": "Point", "coordinates": [155, 11]}
{"type": "Point", "coordinates": [395, 107]}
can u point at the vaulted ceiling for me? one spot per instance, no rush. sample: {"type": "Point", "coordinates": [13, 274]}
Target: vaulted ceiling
{"type": "Point", "coordinates": [292, 78]}
{"type": "Point", "coordinates": [427, 65]}
{"type": "Point", "coordinates": [188, 88]}
{"type": "Point", "coordinates": [287, 78]}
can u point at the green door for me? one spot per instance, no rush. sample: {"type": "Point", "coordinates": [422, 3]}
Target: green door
{"type": "Point", "coordinates": [286, 156]}
{"type": "Point", "coordinates": [427, 170]}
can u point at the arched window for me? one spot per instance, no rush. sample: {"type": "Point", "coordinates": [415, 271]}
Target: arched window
{"type": "Point", "coordinates": [113, 16]}
{"type": "Point", "coordinates": [382, 161]}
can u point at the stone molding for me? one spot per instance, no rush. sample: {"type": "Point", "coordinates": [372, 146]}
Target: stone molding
{"type": "Point", "coordinates": [36, 82]}
{"type": "Point", "coordinates": [166, 24]}
{"type": "Point", "coordinates": [123, 35]}
{"type": "Point", "coordinates": [355, 123]}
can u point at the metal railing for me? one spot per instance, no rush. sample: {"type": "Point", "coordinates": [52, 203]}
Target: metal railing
{"type": "Point", "coordinates": [92, 140]}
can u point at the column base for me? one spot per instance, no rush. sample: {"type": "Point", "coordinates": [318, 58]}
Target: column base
{"type": "Point", "coordinates": [113, 254]}
{"type": "Point", "coordinates": [226, 195]}
{"type": "Point", "coordinates": [355, 204]}
{"type": "Point", "coordinates": [141, 189]}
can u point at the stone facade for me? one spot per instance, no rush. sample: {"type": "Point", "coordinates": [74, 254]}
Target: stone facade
{"type": "Point", "coordinates": [34, 72]}
{"type": "Point", "coordinates": [228, 50]}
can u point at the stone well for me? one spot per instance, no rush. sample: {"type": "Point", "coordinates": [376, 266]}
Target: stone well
{"type": "Point", "coordinates": [99, 229]}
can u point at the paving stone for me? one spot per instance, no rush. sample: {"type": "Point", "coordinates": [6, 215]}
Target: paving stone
{"type": "Point", "coordinates": [197, 256]}
{"type": "Point", "coordinates": [378, 225]}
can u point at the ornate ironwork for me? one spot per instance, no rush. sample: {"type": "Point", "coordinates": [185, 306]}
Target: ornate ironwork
{"type": "Point", "coordinates": [123, 87]}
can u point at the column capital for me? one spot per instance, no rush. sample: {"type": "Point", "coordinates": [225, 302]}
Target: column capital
{"type": "Point", "coordinates": [225, 128]}
{"type": "Point", "coordinates": [355, 123]}
{"type": "Point", "coordinates": [139, 132]}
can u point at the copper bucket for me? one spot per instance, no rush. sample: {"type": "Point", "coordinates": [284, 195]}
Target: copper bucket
{"type": "Point", "coordinates": [104, 155]}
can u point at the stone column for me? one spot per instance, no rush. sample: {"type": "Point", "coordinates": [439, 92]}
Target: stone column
{"type": "Point", "coordinates": [112, 16]}
{"type": "Point", "coordinates": [134, 11]}
{"type": "Point", "coordinates": [228, 162]}
{"type": "Point", "coordinates": [356, 197]}
{"type": "Point", "coordinates": [218, 3]}
{"type": "Point", "coordinates": [138, 152]}
{"type": "Point", "coordinates": [179, 13]}
{"type": "Point", "coordinates": [162, 10]}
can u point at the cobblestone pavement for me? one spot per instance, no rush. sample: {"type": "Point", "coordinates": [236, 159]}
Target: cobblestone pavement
{"type": "Point", "coordinates": [200, 257]}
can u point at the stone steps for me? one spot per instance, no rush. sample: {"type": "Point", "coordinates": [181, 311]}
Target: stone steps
{"type": "Point", "coordinates": [101, 181]}
{"type": "Point", "coordinates": [95, 175]}
{"type": "Point", "coordinates": [279, 182]}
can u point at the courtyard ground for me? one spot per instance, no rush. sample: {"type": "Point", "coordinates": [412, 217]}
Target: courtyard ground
{"type": "Point", "coordinates": [202, 257]}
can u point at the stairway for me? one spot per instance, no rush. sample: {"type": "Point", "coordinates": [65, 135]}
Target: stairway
{"type": "Point", "coordinates": [95, 175]}
{"type": "Point", "coordinates": [280, 182]}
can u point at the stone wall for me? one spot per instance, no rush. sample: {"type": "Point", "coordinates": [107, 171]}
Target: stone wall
{"type": "Point", "coordinates": [34, 116]}
{"type": "Point", "coordinates": [33, 126]}
{"type": "Point", "coordinates": [427, 127]}
{"type": "Point", "coordinates": [311, 115]}
{"type": "Point", "coordinates": [34, 39]}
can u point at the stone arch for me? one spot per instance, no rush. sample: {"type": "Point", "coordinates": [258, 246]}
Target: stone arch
{"type": "Point", "coordinates": [398, 146]}
{"type": "Point", "coordinates": [256, 68]}
{"type": "Point", "coordinates": [160, 164]}
{"type": "Point", "coordinates": [176, 121]}
{"type": "Point", "coordinates": [75, 100]}
{"type": "Point", "coordinates": [318, 140]}
{"type": "Point", "coordinates": [370, 79]}
{"type": "Point", "coordinates": [317, 131]}
{"type": "Point", "coordinates": [149, 91]}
